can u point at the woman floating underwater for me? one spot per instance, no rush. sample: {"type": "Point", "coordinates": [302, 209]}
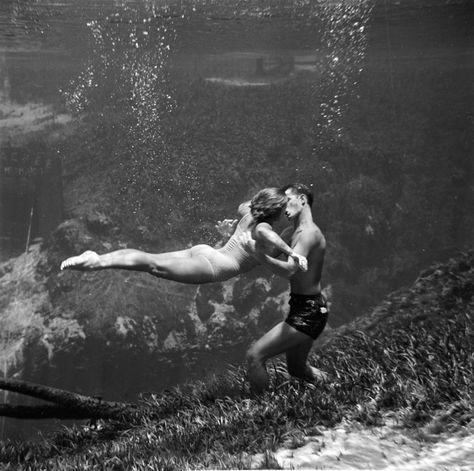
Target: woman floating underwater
{"type": "Point", "coordinates": [203, 263]}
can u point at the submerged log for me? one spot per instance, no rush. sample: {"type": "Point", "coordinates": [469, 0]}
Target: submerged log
{"type": "Point", "coordinates": [46, 411]}
{"type": "Point", "coordinates": [69, 405]}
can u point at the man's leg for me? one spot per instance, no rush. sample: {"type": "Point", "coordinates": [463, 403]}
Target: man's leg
{"type": "Point", "coordinates": [296, 359]}
{"type": "Point", "coordinates": [279, 339]}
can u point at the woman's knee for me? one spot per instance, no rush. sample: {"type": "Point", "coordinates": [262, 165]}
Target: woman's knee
{"type": "Point", "coordinates": [158, 267]}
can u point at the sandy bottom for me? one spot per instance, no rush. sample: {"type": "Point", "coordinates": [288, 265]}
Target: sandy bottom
{"type": "Point", "coordinates": [352, 447]}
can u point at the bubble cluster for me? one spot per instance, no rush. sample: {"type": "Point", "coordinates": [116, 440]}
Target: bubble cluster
{"type": "Point", "coordinates": [126, 77]}
{"type": "Point", "coordinates": [345, 40]}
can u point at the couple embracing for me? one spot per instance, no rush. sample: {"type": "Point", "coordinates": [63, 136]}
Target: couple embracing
{"type": "Point", "coordinates": [253, 242]}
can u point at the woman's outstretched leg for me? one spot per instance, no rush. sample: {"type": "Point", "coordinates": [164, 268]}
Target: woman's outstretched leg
{"type": "Point", "coordinates": [128, 259]}
{"type": "Point", "coordinates": [179, 266]}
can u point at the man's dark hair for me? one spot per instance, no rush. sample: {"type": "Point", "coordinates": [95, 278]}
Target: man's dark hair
{"type": "Point", "coordinates": [300, 189]}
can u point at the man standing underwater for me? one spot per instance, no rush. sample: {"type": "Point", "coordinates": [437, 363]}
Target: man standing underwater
{"type": "Point", "coordinates": [308, 312]}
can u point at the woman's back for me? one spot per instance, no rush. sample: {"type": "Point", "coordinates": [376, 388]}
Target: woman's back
{"type": "Point", "coordinates": [234, 248]}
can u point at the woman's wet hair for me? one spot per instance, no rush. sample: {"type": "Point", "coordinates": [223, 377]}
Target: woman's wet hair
{"type": "Point", "coordinates": [268, 204]}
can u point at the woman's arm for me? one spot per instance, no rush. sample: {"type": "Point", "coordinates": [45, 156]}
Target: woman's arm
{"type": "Point", "coordinates": [227, 227]}
{"type": "Point", "coordinates": [285, 268]}
{"type": "Point", "coordinates": [264, 233]}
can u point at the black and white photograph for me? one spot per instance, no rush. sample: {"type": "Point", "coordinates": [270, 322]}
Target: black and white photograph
{"type": "Point", "coordinates": [236, 234]}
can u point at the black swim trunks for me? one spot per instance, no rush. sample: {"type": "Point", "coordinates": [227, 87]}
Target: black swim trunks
{"type": "Point", "coordinates": [308, 313]}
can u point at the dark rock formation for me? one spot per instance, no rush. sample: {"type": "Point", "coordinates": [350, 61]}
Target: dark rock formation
{"type": "Point", "coordinates": [80, 331]}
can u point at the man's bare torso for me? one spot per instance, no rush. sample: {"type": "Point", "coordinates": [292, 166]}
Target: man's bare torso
{"type": "Point", "coordinates": [308, 282]}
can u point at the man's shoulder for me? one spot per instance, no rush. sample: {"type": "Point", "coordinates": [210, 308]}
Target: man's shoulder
{"type": "Point", "coordinates": [313, 234]}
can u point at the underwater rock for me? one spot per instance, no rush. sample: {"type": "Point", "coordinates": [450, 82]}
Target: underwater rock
{"type": "Point", "coordinates": [66, 327]}
{"type": "Point", "coordinates": [99, 223]}
{"type": "Point", "coordinates": [206, 297]}
{"type": "Point", "coordinates": [272, 312]}
{"type": "Point", "coordinates": [83, 331]}
{"type": "Point", "coordinates": [62, 334]}
{"type": "Point", "coordinates": [5, 268]}
{"type": "Point", "coordinates": [248, 294]}
{"type": "Point", "coordinates": [223, 327]}
{"type": "Point", "coordinates": [174, 341]}
{"type": "Point", "coordinates": [240, 309]}
{"type": "Point", "coordinates": [72, 236]}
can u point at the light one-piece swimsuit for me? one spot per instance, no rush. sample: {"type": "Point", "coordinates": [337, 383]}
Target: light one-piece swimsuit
{"type": "Point", "coordinates": [229, 260]}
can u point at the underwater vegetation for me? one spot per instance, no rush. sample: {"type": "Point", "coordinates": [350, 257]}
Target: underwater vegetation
{"type": "Point", "coordinates": [411, 359]}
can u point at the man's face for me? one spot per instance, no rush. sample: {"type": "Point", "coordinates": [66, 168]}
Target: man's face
{"type": "Point", "coordinates": [294, 205]}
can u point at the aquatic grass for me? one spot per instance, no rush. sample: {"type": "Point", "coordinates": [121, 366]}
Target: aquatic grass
{"type": "Point", "coordinates": [412, 358]}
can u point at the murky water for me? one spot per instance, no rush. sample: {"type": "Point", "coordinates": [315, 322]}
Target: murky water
{"type": "Point", "coordinates": [183, 108]}
{"type": "Point", "coordinates": [136, 59]}
{"type": "Point", "coordinates": [61, 59]}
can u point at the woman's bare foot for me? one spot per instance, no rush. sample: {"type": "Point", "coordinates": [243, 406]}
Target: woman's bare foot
{"type": "Point", "coordinates": [88, 260]}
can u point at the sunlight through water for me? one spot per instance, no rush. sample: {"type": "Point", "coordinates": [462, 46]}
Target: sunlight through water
{"type": "Point", "coordinates": [129, 66]}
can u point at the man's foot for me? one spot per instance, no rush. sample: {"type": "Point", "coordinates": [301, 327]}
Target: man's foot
{"type": "Point", "coordinates": [88, 260]}
{"type": "Point", "coordinates": [319, 376]}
